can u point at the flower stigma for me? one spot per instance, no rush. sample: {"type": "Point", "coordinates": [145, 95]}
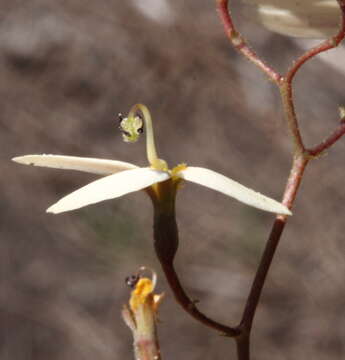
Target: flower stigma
{"type": "Point", "coordinates": [141, 317]}
{"type": "Point", "coordinates": [131, 128]}
{"type": "Point", "coordinates": [143, 292]}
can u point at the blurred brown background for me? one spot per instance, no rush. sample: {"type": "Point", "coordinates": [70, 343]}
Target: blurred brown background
{"type": "Point", "coordinates": [66, 69]}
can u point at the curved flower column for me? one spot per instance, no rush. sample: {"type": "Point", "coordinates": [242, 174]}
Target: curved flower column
{"type": "Point", "coordinates": [124, 178]}
{"type": "Point", "coordinates": [161, 184]}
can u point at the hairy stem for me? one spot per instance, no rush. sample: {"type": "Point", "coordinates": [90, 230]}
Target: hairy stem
{"type": "Point", "coordinates": [293, 183]}
{"type": "Point", "coordinates": [165, 227]}
{"type": "Point", "coordinates": [328, 44]}
{"type": "Point", "coordinates": [328, 142]}
{"type": "Point", "coordinates": [285, 88]}
{"type": "Point", "coordinates": [240, 44]}
{"type": "Point", "coordinates": [301, 156]}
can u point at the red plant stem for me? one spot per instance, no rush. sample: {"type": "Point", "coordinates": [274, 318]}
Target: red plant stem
{"type": "Point", "coordinates": [293, 183]}
{"type": "Point", "coordinates": [292, 186]}
{"type": "Point", "coordinates": [300, 159]}
{"type": "Point", "coordinates": [240, 44]}
{"type": "Point", "coordinates": [285, 88]}
{"type": "Point", "coordinates": [285, 85]}
{"type": "Point", "coordinates": [165, 227]}
{"type": "Point", "coordinates": [189, 305]}
{"type": "Point", "coordinates": [243, 347]}
{"type": "Point", "coordinates": [166, 241]}
{"type": "Point", "coordinates": [328, 44]}
{"type": "Point", "coordinates": [328, 142]}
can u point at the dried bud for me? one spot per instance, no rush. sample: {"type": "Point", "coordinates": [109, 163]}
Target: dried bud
{"type": "Point", "coordinates": [141, 317]}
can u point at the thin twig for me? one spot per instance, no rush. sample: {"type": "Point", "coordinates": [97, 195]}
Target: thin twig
{"type": "Point", "coordinates": [243, 346]}
{"type": "Point", "coordinates": [328, 44]}
{"type": "Point", "coordinates": [240, 44]}
{"type": "Point", "coordinates": [328, 142]}
{"type": "Point", "coordinates": [166, 244]}
{"type": "Point", "coordinates": [189, 305]}
{"type": "Point", "coordinates": [165, 227]}
{"type": "Point", "coordinates": [285, 88]}
{"type": "Point", "coordinates": [291, 189]}
{"type": "Point", "coordinates": [300, 159]}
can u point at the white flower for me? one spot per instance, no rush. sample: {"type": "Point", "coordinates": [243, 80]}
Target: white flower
{"type": "Point", "coordinates": [300, 18]}
{"type": "Point", "coordinates": [123, 178]}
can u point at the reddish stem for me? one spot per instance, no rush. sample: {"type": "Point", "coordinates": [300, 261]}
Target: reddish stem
{"type": "Point", "coordinates": [285, 88]}
{"type": "Point", "coordinates": [166, 241]}
{"type": "Point", "coordinates": [328, 44]}
{"type": "Point", "coordinates": [301, 157]}
{"type": "Point", "coordinates": [328, 142]}
{"type": "Point", "coordinates": [293, 183]}
{"type": "Point", "coordinates": [240, 44]}
{"type": "Point", "coordinates": [189, 305]}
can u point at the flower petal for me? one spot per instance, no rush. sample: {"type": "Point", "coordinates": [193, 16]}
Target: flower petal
{"type": "Point", "coordinates": [109, 187]}
{"type": "Point", "coordinates": [221, 183]}
{"type": "Point", "coordinates": [90, 165]}
{"type": "Point", "coordinates": [308, 18]}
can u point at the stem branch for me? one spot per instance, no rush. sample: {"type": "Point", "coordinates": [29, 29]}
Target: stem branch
{"type": "Point", "coordinates": [166, 245]}
{"type": "Point", "coordinates": [301, 156]}
{"type": "Point", "coordinates": [328, 44]}
{"type": "Point", "coordinates": [165, 228]}
{"type": "Point", "coordinates": [293, 183]}
{"type": "Point", "coordinates": [328, 142]}
{"type": "Point", "coordinates": [285, 88]}
{"type": "Point", "coordinates": [189, 305]}
{"type": "Point", "coordinates": [240, 44]}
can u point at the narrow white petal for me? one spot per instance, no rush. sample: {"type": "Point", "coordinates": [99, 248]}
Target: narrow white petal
{"type": "Point", "coordinates": [221, 183]}
{"type": "Point", "coordinates": [307, 18]}
{"type": "Point", "coordinates": [109, 187]}
{"type": "Point", "coordinates": [90, 165]}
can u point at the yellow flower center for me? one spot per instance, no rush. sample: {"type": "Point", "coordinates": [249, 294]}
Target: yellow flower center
{"type": "Point", "coordinates": [176, 170]}
{"type": "Point", "coordinates": [141, 294]}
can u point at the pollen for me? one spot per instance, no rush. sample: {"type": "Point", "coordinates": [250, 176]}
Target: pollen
{"type": "Point", "coordinates": [177, 169]}
{"type": "Point", "coordinates": [141, 294]}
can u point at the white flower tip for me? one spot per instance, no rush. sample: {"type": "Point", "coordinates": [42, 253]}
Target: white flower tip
{"type": "Point", "coordinates": [34, 160]}
{"type": "Point", "coordinates": [285, 211]}
{"type": "Point", "coordinates": [229, 187]}
{"type": "Point", "coordinates": [23, 160]}
{"type": "Point", "coordinates": [109, 187]}
{"type": "Point", "coordinates": [52, 210]}
{"type": "Point", "coordinates": [63, 206]}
